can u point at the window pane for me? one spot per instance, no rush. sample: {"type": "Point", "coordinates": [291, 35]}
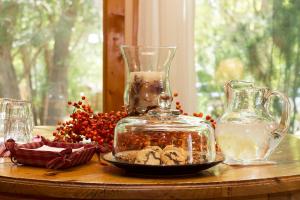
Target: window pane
{"type": "Point", "coordinates": [254, 40]}
{"type": "Point", "coordinates": [51, 52]}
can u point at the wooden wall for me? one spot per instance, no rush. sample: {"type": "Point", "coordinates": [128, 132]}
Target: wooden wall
{"type": "Point", "coordinates": [120, 21]}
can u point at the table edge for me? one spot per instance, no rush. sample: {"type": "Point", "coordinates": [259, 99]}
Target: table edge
{"type": "Point", "coordinates": [134, 191]}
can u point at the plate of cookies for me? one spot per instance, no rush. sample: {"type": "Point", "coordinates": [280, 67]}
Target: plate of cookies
{"type": "Point", "coordinates": [154, 160]}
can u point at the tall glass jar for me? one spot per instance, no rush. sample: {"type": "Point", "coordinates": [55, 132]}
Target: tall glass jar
{"type": "Point", "coordinates": [147, 76]}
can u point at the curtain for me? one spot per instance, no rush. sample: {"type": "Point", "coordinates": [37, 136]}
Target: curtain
{"type": "Point", "coordinates": [171, 22]}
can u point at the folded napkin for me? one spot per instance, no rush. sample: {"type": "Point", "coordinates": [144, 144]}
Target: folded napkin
{"type": "Point", "coordinates": [3, 151]}
{"type": "Point", "coordinates": [53, 149]}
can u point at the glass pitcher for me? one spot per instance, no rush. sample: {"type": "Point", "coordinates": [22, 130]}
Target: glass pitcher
{"type": "Point", "coordinates": [247, 133]}
{"type": "Point", "coordinates": [147, 76]}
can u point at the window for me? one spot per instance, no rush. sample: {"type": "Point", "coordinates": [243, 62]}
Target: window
{"type": "Point", "coordinates": [51, 52]}
{"type": "Point", "coordinates": [259, 39]}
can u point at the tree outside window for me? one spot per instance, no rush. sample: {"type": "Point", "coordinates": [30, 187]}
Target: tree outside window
{"type": "Point", "coordinates": [51, 52]}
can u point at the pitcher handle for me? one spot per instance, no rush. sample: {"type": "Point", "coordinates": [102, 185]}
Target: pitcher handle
{"type": "Point", "coordinates": [227, 87]}
{"type": "Point", "coordinates": [285, 115]}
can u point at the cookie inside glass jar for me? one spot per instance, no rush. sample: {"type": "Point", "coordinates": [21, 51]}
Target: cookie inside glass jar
{"type": "Point", "coordinates": [150, 155]}
{"type": "Point", "coordinates": [172, 155]}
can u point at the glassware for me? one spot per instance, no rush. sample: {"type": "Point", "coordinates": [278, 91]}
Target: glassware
{"type": "Point", "coordinates": [247, 133]}
{"type": "Point", "coordinates": [155, 134]}
{"type": "Point", "coordinates": [3, 102]}
{"type": "Point", "coordinates": [18, 121]}
{"type": "Point", "coordinates": [164, 137]}
{"type": "Point", "coordinates": [147, 76]}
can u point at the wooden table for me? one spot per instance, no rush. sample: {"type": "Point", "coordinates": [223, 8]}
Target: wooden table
{"type": "Point", "coordinates": [98, 181]}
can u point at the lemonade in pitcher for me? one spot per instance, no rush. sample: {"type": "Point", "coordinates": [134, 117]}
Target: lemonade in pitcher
{"type": "Point", "coordinates": [245, 142]}
{"type": "Point", "coordinates": [247, 133]}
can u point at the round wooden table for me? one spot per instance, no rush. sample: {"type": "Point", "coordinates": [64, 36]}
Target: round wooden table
{"type": "Point", "coordinates": [97, 180]}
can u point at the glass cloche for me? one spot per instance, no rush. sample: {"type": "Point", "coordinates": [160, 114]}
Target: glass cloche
{"type": "Point", "coordinates": [164, 137]}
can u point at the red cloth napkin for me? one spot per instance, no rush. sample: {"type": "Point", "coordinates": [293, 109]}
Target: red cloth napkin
{"type": "Point", "coordinates": [6, 153]}
{"type": "Point", "coordinates": [3, 151]}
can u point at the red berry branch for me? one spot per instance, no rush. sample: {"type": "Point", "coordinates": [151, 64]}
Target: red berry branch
{"type": "Point", "coordinates": [98, 127]}
{"type": "Point", "coordinates": [86, 124]}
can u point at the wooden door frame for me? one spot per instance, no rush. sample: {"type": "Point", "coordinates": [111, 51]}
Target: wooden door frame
{"type": "Point", "coordinates": [120, 22]}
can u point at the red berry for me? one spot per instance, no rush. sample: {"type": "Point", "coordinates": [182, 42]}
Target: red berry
{"type": "Point", "coordinates": [85, 123]}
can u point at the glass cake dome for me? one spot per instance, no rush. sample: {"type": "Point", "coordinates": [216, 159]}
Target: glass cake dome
{"type": "Point", "coordinates": [164, 137]}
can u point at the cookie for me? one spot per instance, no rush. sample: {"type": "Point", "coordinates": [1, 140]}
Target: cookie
{"type": "Point", "coordinates": [198, 158]}
{"type": "Point", "coordinates": [126, 156]}
{"type": "Point", "coordinates": [149, 156]}
{"type": "Point", "coordinates": [155, 148]}
{"type": "Point", "coordinates": [172, 155]}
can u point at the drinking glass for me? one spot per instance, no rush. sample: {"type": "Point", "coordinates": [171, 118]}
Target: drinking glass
{"type": "Point", "coordinates": [18, 121]}
{"type": "Point", "coordinates": [3, 102]}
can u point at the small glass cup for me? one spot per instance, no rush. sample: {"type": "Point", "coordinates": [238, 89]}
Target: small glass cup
{"type": "Point", "coordinates": [18, 121]}
{"type": "Point", "coordinates": [3, 102]}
